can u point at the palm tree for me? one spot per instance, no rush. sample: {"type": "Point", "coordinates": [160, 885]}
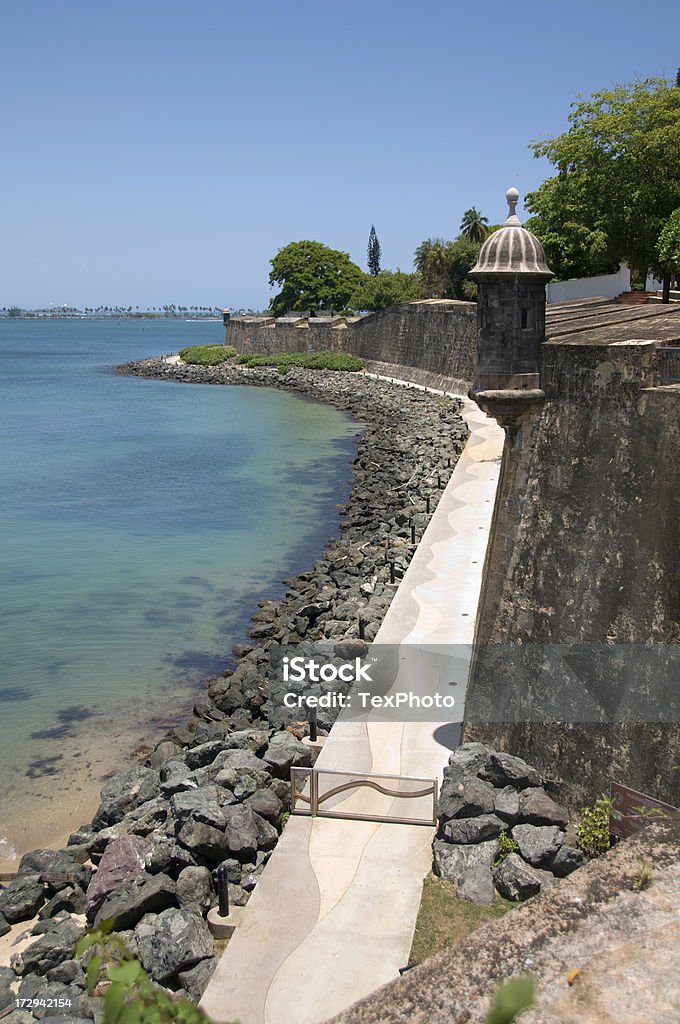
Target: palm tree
{"type": "Point", "coordinates": [432, 263]}
{"type": "Point", "coordinates": [473, 225]}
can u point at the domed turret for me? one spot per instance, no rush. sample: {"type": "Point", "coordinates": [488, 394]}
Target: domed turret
{"type": "Point", "coordinates": [511, 275]}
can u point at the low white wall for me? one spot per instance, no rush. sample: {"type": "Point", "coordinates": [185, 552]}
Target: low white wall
{"type": "Point", "coordinates": [609, 285]}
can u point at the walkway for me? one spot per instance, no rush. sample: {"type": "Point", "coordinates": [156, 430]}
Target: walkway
{"type": "Point", "coordinates": [333, 915]}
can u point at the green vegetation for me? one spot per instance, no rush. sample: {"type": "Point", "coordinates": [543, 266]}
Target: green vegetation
{"type": "Point", "coordinates": [130, 997]}
{"type": "Point", "coordinates": [616, 183]}
{"type": "Point", "coordinates": [668, 251]}
{"type": "Point", "coordinates": [373, 253]}
{"type": "Point", "coordinates": [444, 919]}
{"type": "Point", "coordinates": [386, 288]}
{"type": "Point", "coordinates": [512, 997]}
{"type": "Point", "coordinates": [508, 846]}
{"type": "Point", "coordinates": [207, 355]}
{"type": "Point", "coordinates": [444, 266]}
{"type": "Point", "coordinates": [592, 834]}
{"type": "Point", "coordinates": [313, 277]}
{"type": "Point", "coordinates": [309, 360]}
{"type": "Point", "coordinates": [474, 226]}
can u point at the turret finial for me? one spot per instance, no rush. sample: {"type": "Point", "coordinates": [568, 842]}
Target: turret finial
{"type": "Point", "coordinates": [512, 197]}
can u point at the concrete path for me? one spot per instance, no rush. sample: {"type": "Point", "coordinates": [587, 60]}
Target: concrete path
{"type": "Point", "coordinates": [333, 915]}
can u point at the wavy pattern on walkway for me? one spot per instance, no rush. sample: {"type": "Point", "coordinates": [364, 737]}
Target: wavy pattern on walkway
{"type": "Point", "coordinates": [332, 917]}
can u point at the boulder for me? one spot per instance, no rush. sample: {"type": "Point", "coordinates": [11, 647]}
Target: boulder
{"type": "Point", "coordinates": [71, 899]}
{"type": "Point", "coordinates": [242, 833]}
{"type": "Point", "coordinates": [180, 939]}
{"type": "Point", "coordinates": [473, 830]}
{"type": "Point", "coordinates": [129, 904]}
{"type": "Point", "coordinates": [163, 753]}
{"type": "Point", "coordinates": [204, 754]}
{"type": "Point", "coordinates": [50, 994]}
{"type": "Point", "coordinates": [254, 740]}
{"type": "Point", "coordinates": [5, 926]}
{"type": "Point", "coordinates": [506, 770]}
{"type": "Point", "coordinates": [200, 804]}
{"type": "Point", "coordinates": [538, 844]}
{"type": "Point", "coordinates": [123, 792]}
{"type": "Point", "coordinates": [566, 860]}
{"type": "Point", "coordinates": [123, 861]}
{"type": "Point", "coordinates": [68, 972]}
{"type": "Point", "coordinates": [470, 758]}
{"type": "Point", "coordinates": [7, 996]}
{"type": "Point", "coordinates": [203, 840]}
{"type": "Point", "coordinates": [506, 804]}
{"type": "Point", "coordinates": [516, 880]}
{"type": "Point", "coordinates": [52, 948]}
{"type": "Point", "coordinates": [242, 782]}
{"type": "Point", "coordinates": [239, 759]}
{"type": "Point", "coordinates": [537, 808]}
{"type": "Point", "coordinates": [266, 803]}
{"type": "Point", "coordinates": [452, 862]}
{"type": "Point", "coordinates": [285, 751]}
{"type": "Point", "coordinates": [168, 857]}
{"type": "Point", "coordinates": [466, 797]}
{"type": "Point", "coordinates": [195, 981]}
{"type": "Point", "coordinates": [22, 898]}
{"type": "Point", "coordinates": [56, 867]}
{"type": "Point", "coordinates": [194, 887]}
{"type": "Point", "coordinates": [233, 869]}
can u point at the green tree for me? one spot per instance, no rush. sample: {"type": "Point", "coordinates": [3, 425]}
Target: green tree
{"type": "Point", "coordinates": [617, 180]}
{"type": "Point", "coordinates": [373, 253]}
{"type": "Point", "coordinates": [474, 226]}
{"type": "Point", "coordinates": [668, 251]}
{"type": "Point", "coordinates": [444, 266]}
{"type": "Point", "coordinates": [386, 288]}
{"type": "Point", "coordinates": [312, 277]}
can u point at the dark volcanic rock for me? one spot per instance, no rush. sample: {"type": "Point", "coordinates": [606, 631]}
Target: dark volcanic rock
{"type": "Point", "coordinates": [465, 798]}
{"type": "Point", "coordinates": [194, 887]}
{"type": "Point", "coordinates": [129, 904]}
{"type": "Point", "coordinates": [195, 981]}
{"type": "Point", "coordinates": [538, 844]}
{"type": "Point", "coordinates": [180, 939]}
{"type": "Point", "coordinates": [203, 840]}
{"type": "Point", "coordinates": [285, 751]}
{"type": "Point", "coordinates": [473, 830]}
{"type": "Point", "coordinates": [453, 862]}
{"type": "Point", "coordinates": [52, 948]}
{"type": "Point", "coordinates": [71, 899]}
{"type": "Point", "coordinates": [507, 770]}
{"type": "Point", "coordinates": [22, 898]}
{"type": "Point", "coordinates": [124, 792]}
{"type": "Point", "coordinates": [56, 867]}
{"type": "Point", "coordinates": [199, 804]}
{"type": "Point", "coordinates": [516, 880]}
{"type": "Point", "coordinates": [537, 808]}
{"type": "Point", "coordinates": [5, 926]}
{"type": "Point", "coordinates": [506, 804]}
{"type": "Point", "coordinates": [566, 860]}
{"type": "Point", "coordinates": [265, 803]}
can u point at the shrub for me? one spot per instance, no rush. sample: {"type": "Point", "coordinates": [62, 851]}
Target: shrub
{"type": "Point", "coordinates": [592, 834]}
{"type": "Point", "coordinates": [508, 846]}
{"type": "Point", "coordinates": [207, 355]}
{"type": "Point", "coordinates": [309, 360]}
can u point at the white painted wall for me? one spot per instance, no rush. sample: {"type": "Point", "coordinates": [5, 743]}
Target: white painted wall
{"type": "Point", "coordinates": [608, 285]}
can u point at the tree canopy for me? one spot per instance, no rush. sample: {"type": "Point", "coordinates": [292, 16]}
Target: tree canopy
{"type": "Point", "coordinates": [313, 277]}
{"type": "Point", "coordinates": [373, 253]}
{"type": "Point", "coordinates": [617, 180]}
{"type": "Point", "coordinates": [474, 226]}
{"type": "Point", "coordinates": [444, 266]}
{"type": "Point", "coordinates": [386, 288]}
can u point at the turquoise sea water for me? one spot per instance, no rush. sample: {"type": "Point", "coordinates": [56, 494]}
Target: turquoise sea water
{"type": "Point", "coordinates": [140, 521]}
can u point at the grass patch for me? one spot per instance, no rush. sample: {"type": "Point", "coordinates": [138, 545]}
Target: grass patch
{"type": "Point", "coordinates": [443, 919]}
{"type": "Point", "coordinates": [309, 360]}
{"type": "Point", "coordinates": [207, 355]}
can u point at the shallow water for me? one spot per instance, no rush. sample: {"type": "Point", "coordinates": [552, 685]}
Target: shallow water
{"type": "Point", "coordinates": [139, 523]}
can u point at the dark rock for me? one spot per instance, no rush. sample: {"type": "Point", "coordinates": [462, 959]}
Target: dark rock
{"type": "Point", "coordinates": [254, 740]}
{"type": "Point", "coordinates": [233, 869]}
{"type": "Point", "coordinates": [5, 926]}
{"type": "Point", "coordinates": [179, 941]}
{"type": "Point", "coordinates": [515, 880]}
{"type": "Point", "coordinates": [22, 898]}
{"type": "Point", "coordinates": [194, 887]}
{"type": "Point", "coordinates": [68, 972]}
{"type": "Point", "coordinates": [21, 1017]}
{"type": "Point", "coordinates": [71, 899]}
{"type": "Point", "coordinates": [52, 948]}
{"type": "Point", "coordinates": [195, 981]}
{"type": "Point", "coordinates": [168, 857]}
{"type": "Point", "coordinates": [243, 782]}
{"type": "Point", "coordinates": [203, 840]}
{"type": "Point", "coordinates": [506, 804]}
{"type": "Point", "coordinates": [122, 862]}
{"type": "Point", "coordinates": [470, 758]}
{"type": "Point", "coordinates": [285, 751]}
{"type": "Point", "coordinates": [56, 867]}
{"type": "Point", "coordinates": [129, 904]}
{"type": "Point", "coordinates": [265, 803]}
{"type": "Point", "coordinates": [566, 860]}
{"type": "Point", "coordinates": [473, 830]}
{"type": "Point", "coordinates": [7, 979]}
{"type": "Point", "coordinates": [200, 805]}
{"type": "Point", "coordinates": [124, 792]}
{"type": "Point", "coordinates": [507, 770]}
{"type": "Point", "coordinates": [48, 924]}
{"type": "Point", "coordinates": [106, 835]}
{"type": "Point", "coordinates": [204, 754]}
{"type": "Point", "coordinates": [453, 862]}
{"type": "Point", "coordinates": [44, 991]}
{"type": "Point", "coordinates": [538, 844]}
{"type": "Point", "coordinates": [465, 798]}
{"type": "Point", "coordinates": [247, 832]}
{"type": "Point", "coordinates": [163, 752]}
{"type": "Point", "coordinates": [537, 808]}
{"type": "Point", "coordinates": [240, 759]}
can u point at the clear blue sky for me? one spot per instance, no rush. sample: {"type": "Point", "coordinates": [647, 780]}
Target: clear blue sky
{"type": "Point", "coordinates": [162, 152]}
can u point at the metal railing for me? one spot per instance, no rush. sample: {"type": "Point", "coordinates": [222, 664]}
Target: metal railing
{"type": "Point", "coordinates": [669, 364]}
{"type": "Point", "coordinates": [309, 797]}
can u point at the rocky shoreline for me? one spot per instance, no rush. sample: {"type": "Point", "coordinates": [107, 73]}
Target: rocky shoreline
{"type": "Point", "coordinates": [215, 792]}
